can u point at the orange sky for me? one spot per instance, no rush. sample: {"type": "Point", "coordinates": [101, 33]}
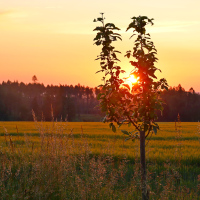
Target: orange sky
{"type": "Point", "coordinates": [54, 39]}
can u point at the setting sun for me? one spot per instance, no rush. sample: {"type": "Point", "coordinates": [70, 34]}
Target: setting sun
{"type": "Point", "coordinates": [132, 79]}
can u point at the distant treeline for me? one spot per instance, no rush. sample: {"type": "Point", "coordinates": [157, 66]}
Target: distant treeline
{"type": "Point", "coordinates": [178, 101]}
{"type": "Point", "coordinates": [68, 102]}
{"type": "Point", "coordinates": [64, 102]}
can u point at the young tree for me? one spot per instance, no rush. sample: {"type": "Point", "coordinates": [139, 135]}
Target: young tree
{"type": "Point", "coordinates": [136, 105]}
{"type": "Point", "coordinates": [34, 79]}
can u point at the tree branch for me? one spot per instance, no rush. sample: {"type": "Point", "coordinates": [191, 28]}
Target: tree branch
{"type": "Point", "coordinates": [133, 123]}
{"type": "Point", "coordinates": [148, 131]}
{"type": "Point", "coordinates": [149, 139]}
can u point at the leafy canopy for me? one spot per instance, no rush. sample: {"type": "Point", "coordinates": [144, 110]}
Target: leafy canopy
{"type": "Point", "coordinates": [136, 105]}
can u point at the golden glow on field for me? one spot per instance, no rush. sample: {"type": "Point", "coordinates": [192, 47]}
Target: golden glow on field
{"type": "Point", "coordinates": [163, 146]}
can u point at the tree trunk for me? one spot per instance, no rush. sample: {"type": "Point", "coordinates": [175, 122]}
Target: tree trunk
{"type": "Point", "coordinates": [143, 166]}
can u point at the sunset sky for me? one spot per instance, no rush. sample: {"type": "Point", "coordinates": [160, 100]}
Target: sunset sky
{"type": "Point", "coordinates": [53, 39]}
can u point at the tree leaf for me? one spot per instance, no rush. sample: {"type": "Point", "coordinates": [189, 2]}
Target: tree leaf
{"type": "Point", "coordinates": [127, 86]}
{"type": "Point", "coordinates": [99, 71]}
{"type": "Point", "coordinates": [120, 124]}
{"type": "Point", "coordinates": [155, 129]}
{"type": "Point", "coordinates": [134, 63]}
{"type": "Point", "coordinates": [113, 128]}
{"type": "Point", "coordinates": [125, 132]}
{"type": "Point", "coordinates": [99, 19]}
{"type": "Point", "coordinates": [99, 96]}
{"type": "Point", "coordinates": [132, 35]}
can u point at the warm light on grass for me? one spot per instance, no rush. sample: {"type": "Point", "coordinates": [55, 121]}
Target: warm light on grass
{"type": "Point", "coordinates": [61, 160]}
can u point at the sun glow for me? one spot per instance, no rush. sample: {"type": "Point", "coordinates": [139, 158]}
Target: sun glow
{"type": "Point", "coordinates": [132, 79]}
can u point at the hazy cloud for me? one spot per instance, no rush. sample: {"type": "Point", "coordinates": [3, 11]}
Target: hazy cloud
{"type": "Point", "coordinates": [5, 12]}
{"type": "Point", "coordinates": [173, 26]}
{"type": "Point", "coordinates": [53, 7]}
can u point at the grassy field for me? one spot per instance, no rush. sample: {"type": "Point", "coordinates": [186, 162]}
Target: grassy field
{"type": "Point", "coordinates": [86, 160]}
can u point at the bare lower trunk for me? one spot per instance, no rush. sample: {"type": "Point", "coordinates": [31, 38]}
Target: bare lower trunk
{"type": "Point", "coordinates": [143, 166]}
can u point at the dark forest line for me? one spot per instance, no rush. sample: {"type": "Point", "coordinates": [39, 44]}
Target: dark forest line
{"type": "Point", "coordinates": [79, 103]}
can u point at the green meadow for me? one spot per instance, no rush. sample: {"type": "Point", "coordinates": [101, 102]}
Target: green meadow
{"type": "Point", "coordinates": [86, 160]}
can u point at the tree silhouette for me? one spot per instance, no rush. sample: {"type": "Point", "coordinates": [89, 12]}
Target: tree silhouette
{"type": "Point", "coordinates": [34, 79]}
{"type": "Point", "coordinates": [123, 104]}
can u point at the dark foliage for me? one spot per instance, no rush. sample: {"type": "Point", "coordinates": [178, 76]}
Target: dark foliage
{"type": "Point", "coordinates": [179, 101]}
{"type": "Point", "coordinates": [17, 100]}
{"type": "Point", "coordinates": [64, 102]}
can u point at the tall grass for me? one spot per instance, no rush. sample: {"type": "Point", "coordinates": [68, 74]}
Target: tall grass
{"type": "Point", "coordinates": [59, 162]}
